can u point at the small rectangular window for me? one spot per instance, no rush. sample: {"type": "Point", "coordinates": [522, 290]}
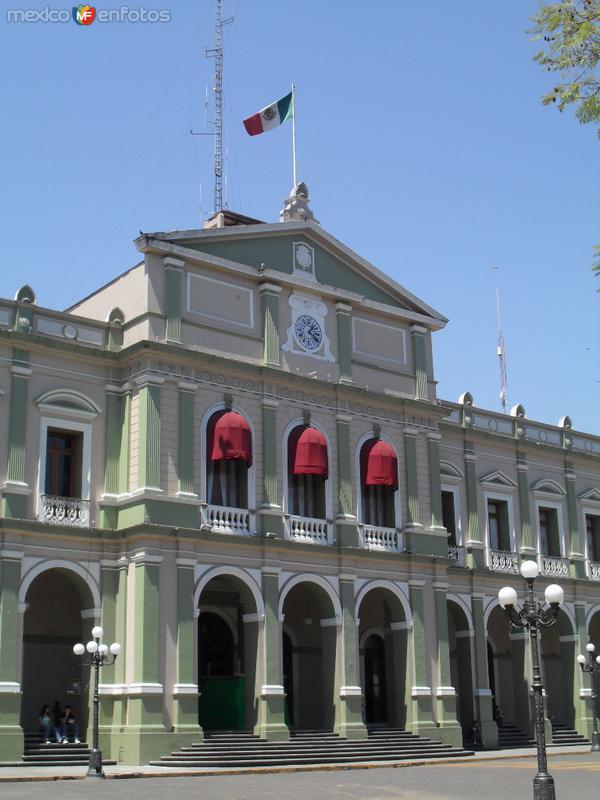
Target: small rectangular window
{"type": "Point", "coordinates": [449, 516]}
{"type": "Point", "coordinates": [592, 526]}
{"type": "Point", "coordinates": [63, 463]}
{"type": "Point", "coordinates": [499, 525]}
{"type": "Point", "coordinates": [549, 532]}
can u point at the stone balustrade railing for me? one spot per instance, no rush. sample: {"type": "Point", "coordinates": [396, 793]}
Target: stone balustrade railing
{"type": "Point", "coordinates": [504, 561]}
{"type": "Point", "coordinates": [223, 519]}
{"type": "Point", "coordinates": [458, 555]}
{"type": "Point", "coordinates": [374, 537]}
{"type": "Point", "coordinates": [65, 511]}
{"type": "Point", "coordinates": [307, 529]}
{"type": "Point", "coordinates": [554, 567]}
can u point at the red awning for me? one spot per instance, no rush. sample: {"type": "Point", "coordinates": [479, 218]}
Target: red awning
{"type": "Point", "coordinates": [379, 464]}
{"type": "Point", "coordinates": [308, 452]}
{"type": "Point", "coordinates": [231, 437]}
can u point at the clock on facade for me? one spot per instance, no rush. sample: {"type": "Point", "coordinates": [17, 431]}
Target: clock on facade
{"type": "Point", "coordinates": [308, 332]}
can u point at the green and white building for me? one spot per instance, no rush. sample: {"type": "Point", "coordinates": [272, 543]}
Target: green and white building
{"type": "Point", "coordinates": [233, 457]}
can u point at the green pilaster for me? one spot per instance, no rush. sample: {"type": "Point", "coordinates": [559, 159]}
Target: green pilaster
{"type": "Point", "coordinates": [520, 655]}
{"type": "Point", "coordinates": [582, 689]}
{"type": "Point", "coordinates": [15, 491]}
{"type": "Point", "coordinates": [109, 721]}
{"type": "Point", "coordinates": [125, 445]}
{"type": "Point", "coordinates": [185, 692]}
{"type": "Point", "coordinates": [483, 693]}
{"type": "Point", "coordinates": [11, 733]}
{"type": "Point", "coordinates": [526, 544]}
{"type": "Point", "coordinates": [421, 714]}
{"type": "Point", "coordinates": [348, 692]}
{"type": "Point", "coordinates": [450, 730]}
{"type": "Point", "coordinates": [345, 523]}
{"type": "Point", "coordinates": [271, 513]}
{"type": "Point", "coordinates": [114, 426]}
{"type": "Point", "coordinates": [576, 548]}
{"type": "Point", "coordinates": [474, 543]}
{"type": "Point", "coordinates": [435, 488]}
{"type": "Point", "coordinates": [417, 335]}
{"type": "Point", "coordinates": [397, 668]}
{"type": "Point", "coordinates": [185, 461]}
{"type": "Point", "coordinates": [412, 480]}
{"type": "Point", "coordinates": [269, 299]}
{"type": "Point", "coordinates": [271, 699]}
{"type": "Point", "coordinates": [344, 332]}
{"type": "Point", "coordinates": [149, 436]}
{"type": "Point", "coordinates": [144, 737]}
{"type": "Point", "coordinates": [173, 280]}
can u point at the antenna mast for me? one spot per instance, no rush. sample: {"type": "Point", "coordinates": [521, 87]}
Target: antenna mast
{"type": "Point", "coordinates": [217, 53]}
{"type": "Point", "coordinates": [501, 355]}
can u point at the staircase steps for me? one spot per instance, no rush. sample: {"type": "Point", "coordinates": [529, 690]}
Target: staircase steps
{"type": "Point", "coordinates": [39, 754]}
{"type": "Point", "coordinates": [234, 749]}
{"type": "Point", "coordinates": [567, 737]}
{"type": "Point", "coordinates": [511, 737]}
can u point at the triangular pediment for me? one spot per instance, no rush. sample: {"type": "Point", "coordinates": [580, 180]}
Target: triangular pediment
{"type": "Point", "coordinates": [267, 247]}
{"type": "Point", "coordinates": [591, 496]}
{"type": "Point", "coordinates": [449, 472]}
{"type": "Point", "coordinates": [498, 479]}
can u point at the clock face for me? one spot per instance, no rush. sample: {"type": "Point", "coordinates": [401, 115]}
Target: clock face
{"type": "Point", "coordinates": [308, 332]}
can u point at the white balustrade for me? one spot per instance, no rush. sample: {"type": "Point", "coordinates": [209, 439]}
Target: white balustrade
{"type": "Point", "coordinates": [458, 555]}
{"type": "Point", "coordinates": [595, 570]}
{"type": "Point", "coordinates": [307, 529]}
{"type": "Point", "coordinates": [222, 519]}
{"type": "Point", "coordinates": [65, 511]}
{"type": "Point", "coordinates": [504, 561]}
{"type": "Point", "coordinates": [555, 566]}
{"type": "Point", "coordinates": [376, 538]}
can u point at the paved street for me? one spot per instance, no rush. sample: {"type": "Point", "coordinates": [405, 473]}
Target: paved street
{"type": "Point", "coordinates": [495, 780]}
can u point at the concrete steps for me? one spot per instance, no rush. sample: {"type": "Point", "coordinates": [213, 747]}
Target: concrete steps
{"type": "Point", "coordinates": [231, 749]}
{"type": "Point", "coordinates": [509, 737]}
{"type": "Point", "coordinates": [567, 737]}
{"type": "Point", "coordinates": [39, 754]}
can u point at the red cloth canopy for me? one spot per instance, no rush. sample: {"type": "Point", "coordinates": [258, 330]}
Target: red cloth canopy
{"type": "Point", "coordinates": [231, 437]}
{"type": "Point", "coordinates": [308, 452]}
{"type": "Point", "coordinates": [379, 464]}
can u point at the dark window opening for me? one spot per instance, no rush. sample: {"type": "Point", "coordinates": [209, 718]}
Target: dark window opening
{"type": "Point", "coordinates": [378, 506]}
{"type": "Point", "coordinates": [63, 463]}
{"type": "Point", "coordinates": [499, 525]}
{"type": "Point", "coordinates": [549, 533]}
{"type": "Point", "coordinates": [449, 516]}
{"type": "Point", "coordinates": [592, 525]}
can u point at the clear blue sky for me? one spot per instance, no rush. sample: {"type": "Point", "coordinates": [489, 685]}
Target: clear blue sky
{"type": "Point", "coordinates": [420, 135]}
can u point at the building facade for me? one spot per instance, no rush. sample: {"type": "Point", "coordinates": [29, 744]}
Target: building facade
{"type": "Point", "coordinates": [234, 459]}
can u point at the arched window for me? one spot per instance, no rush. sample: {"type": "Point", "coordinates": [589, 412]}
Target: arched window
{"type": "Point", "coordinates": [229, 455]}
{"type": "Point", "coordinates": [379, 482]}
{"type": "Point", "coordinates": [308, 468]}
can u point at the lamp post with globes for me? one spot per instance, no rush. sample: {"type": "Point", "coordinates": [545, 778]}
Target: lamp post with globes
{"type": "Point", "coordinates": [533, 616]}
{"type": "Point", "coordinates": [592, 667]}
{"type": "Point", "coordinates": [98, 657]}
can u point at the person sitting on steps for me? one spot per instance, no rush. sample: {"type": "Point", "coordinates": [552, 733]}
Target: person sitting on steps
{"type": "Point", "coordinates": [45, 723]}
{"type": "Point", "coordinates": [69, 726]}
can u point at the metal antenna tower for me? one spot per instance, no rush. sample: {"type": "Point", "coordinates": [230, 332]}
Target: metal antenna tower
{"type": "Point", "coordinates": [217, 54]}
{"type": "Point", "coordinates": [501, 352]}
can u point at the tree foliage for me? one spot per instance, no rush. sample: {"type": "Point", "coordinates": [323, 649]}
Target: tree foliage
{"type": "Point", "coordinates": [571, 33]}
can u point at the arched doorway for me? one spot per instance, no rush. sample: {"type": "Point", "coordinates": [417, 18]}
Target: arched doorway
{"type": "Point", "coordinates": [558, 663]}
{"type": "Point", "coordinates": [383, 638]}
{"type": "Point", "coordinates": [309, 652]}
{"type": "Point", "coordinates": [509, 670]}
{"type": "Point", "coordinates": [594, 631]}
{"type": "Point", "coordinates": [52, 625]}
{"type": "Point", "coordinates": [461, 669]}
{"type": "Point", "coordinates": [227, 649]}
{"type": "Point", "coordinates": [288, 680]}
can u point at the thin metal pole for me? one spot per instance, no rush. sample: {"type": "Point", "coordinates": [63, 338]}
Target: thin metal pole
{"type": "Point", "coordinates": [543, 782]}
{"type": "Point", "coordinates": [595, 737]}
{"type": "Point", "coordinates": [294, 134]}
{"type": "Point", "coordinates": [95, 765]}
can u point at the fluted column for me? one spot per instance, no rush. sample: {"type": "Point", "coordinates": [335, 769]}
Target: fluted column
{"type": "Point", "coordinates": [349, 697]}
{"type": "Point", "coordinates": [11, 733]}
{"type": "Point", "coordinates": [270, 693]}
{"type": "Point", "coordinates": [16, 490]}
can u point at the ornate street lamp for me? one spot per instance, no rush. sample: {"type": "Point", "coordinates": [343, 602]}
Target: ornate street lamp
{"type": "Point", "coordinates": [98, 658]}
{"type": "Point", "coordinates": [593, 668]}
{"type": "Point", "coordinates": [532, 617]}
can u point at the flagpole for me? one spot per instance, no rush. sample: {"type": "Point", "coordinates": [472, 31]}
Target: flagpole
{"type": "Point", "coordinates": [294, 133]}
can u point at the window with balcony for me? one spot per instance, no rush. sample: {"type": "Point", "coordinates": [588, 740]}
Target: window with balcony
{"type": "Point", "coordinates": [62, 501]}
{"type": "Point", "coordinates": [549, 532]}
{"type": "Point", "coordinates": [308, 469]}
{"type": "Point", "coordinates": [499, 525]}
{"type": "Point", "coordinates": [379, 483]}
{"type": "Point", "coordinates": [228, 462]}
{"type": "Point", "coordinates": [592, 527]}
{"type": "Point", "coordinates": [449, 517]}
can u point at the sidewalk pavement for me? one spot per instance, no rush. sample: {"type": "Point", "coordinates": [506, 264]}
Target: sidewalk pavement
{"type": "Point", "coordinates": [16, 774]}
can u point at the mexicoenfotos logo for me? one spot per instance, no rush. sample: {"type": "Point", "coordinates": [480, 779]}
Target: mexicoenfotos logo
{"type": "Point", "coordinates": [84, 14]}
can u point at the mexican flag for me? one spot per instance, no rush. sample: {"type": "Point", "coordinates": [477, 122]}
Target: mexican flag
{"type": "Point", "coordinates": [270, 117]}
